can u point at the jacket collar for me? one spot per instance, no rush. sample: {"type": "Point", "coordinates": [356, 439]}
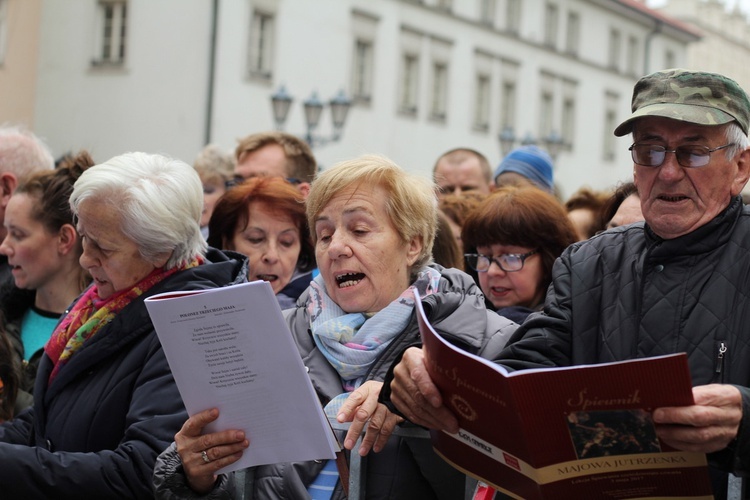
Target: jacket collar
{"type": "Point", "coordinates": [707, 237]}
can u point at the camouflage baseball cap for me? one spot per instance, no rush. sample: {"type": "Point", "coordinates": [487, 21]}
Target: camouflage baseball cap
{"type": "Point", "coordinates": [689, 96]}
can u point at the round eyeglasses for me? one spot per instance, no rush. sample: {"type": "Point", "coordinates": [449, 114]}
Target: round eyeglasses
{"type": "Point", "coordinates": [508, 262]}
{"type": "Point", "coordinates": [653, 155]}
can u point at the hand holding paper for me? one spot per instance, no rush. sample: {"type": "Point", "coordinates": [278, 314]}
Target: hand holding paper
{"type": "Point", "coordinates": [230, 349]}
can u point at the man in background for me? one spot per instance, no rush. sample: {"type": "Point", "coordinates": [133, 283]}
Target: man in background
{"type": "Point", "coordinates": [276, 154]}
{"type": "Point", "coordinates": [21, 155]}
{"type": "Point", "coordinates": [461, 170]}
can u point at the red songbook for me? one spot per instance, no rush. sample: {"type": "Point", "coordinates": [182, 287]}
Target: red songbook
{"type": "Point", "coordinates": [573, 432]}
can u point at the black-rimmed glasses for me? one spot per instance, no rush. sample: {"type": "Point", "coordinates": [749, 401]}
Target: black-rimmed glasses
{"type": "Point", "coordinates": [508, 262]}
{"type": "Point", "coordinates": [653, 155]}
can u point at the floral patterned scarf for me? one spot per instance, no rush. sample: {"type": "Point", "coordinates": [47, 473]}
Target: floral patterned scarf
{"type": "Point", "coordinates": [351, 342]}
{"type": "Point", "coordinates": [91, 313]}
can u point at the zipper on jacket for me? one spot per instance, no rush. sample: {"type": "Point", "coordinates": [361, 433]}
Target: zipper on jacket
{"type": "Point", "coordinates": [720, 354]}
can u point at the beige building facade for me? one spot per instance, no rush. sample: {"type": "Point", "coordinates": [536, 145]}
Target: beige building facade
{"type": "Point", "coordinates": [19, 60]}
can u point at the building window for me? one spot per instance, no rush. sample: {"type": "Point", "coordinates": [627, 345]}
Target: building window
{"type": "Point", "coordinates": [573, 33]}
{"type": "Point", "coordinates": [508, 105]}
{"type": "Point", "coordinates": [445, 5]}
{"type": "Point", "coordinates": [487, 12]}
{"type": "Point", "coordinates": [112, 33]}
{"type": "Point", "coordinates": [260, 53]}
{"type": "Point", "coordinates": [409, 82]}
{"type": "Point", "coordinates": [610, 122]}
{"type": "Point", "coordinates": [362, 74]}
{"type": "Point", "coordinates": [482, 103]}
{"type": "Point", "coordinates": [439, 91]}
{"type": "Point", "coordinates": [632, 56]}
{"type": "Point", "coordinates": [551, 19]}
{"type": "Point", "coordinates": [669, 59]}
{"type": "Point", "coordinates": [513, 16]}
{"type": "Point", "coordinates": [568, 122]}
{"type": "Point", "coordinates": [614, 48]}
{"type": "Point", "coordinates": [546, 114]}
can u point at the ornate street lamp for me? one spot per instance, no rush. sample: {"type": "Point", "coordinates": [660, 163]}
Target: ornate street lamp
{"type": "Point", "coordinates": [340, 105]}
{"type": "Point", "coordinates": [508, 139]}
{"type": "Point", "coordinates": [554, 143]}
{"type": "Point", "coordinates": [313, 107]}
{"type": "Point", "coordinates": [281, 101]}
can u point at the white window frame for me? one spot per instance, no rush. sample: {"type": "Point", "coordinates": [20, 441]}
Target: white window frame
{"type": "Point", "coordinates": [632, 56]}
{"type": "Point", "coordinates": [362, 70]}
{"type": "Point", "coordinates": [551, 24]}
{"type": "Point", "coordinates": [445, 5]}
{"type": "Point", "coordinates": [546, 113]}
{"type": "Point", "coordinates": [573, 33]}
{"type": "Point", "coordinates": [409, 83]}
{"type": "Point", "coordinates": [261, 44]}
{"type": "Point", "coordinates": [509, 92]}
{"type": "Point", "coordinates": [615, 47]}
{"type": "Point", "coordinates": [610, 122]}
{"type": "Point", "coordinates": [112, 33]}
{"type": "Point", "coordinates": [482, 102]}
{"type": "Point", "coordinates": [568, 121]}
{"type": "Point", "coordinates": [513, 16]}
{"type": "Point", "coordinates": [439, 100]}
{"type": "Point", "coordinates": [487, 10]}
{"type": "Point", "coordinates": [670, 58]}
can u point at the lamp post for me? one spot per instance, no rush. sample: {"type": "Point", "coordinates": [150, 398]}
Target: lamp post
{"type": "Point", "coordinates": [281, 102]}
{"type": "Point", "coordinates": [508, 138]}
{"type": "Point", "coordinates": [553, 142]}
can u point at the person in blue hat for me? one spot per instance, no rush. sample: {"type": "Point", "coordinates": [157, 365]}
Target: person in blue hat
{"type": "Point", "coordinates": [524, 164]}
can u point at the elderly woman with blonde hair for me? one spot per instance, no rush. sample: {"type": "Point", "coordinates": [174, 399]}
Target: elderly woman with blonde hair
{"type": "Point", "coordinates": [105, 401]}
{"type": "Point", "coordinates": [373, 227]}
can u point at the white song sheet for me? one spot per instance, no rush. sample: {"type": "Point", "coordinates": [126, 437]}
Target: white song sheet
{"type": "Point", "coordinates": [230, 348]}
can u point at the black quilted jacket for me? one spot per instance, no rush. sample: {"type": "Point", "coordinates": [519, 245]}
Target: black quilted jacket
{"type": "Point", "coordinates": [629, 294]}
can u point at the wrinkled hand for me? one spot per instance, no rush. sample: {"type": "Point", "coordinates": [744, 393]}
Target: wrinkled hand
{"type": "Point", "coordinates": [222, 448]}
{"type": "Point", "coordinates": [707, 426]}
{"type": "Point", "coordinates": [414, 394]}
{"type": "Point", "coordinates": [362, 408]}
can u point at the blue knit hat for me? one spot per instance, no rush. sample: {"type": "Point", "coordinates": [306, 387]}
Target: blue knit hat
{"type": "Point", "coordinates": [531, 162]}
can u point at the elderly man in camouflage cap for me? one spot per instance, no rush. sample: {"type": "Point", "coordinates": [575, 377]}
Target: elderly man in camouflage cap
{"type": "Point", "coordinates": [678, 283]}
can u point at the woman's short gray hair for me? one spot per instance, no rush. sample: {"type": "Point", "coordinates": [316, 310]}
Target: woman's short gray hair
{"type": "Point", "coordinates": [411, 202]}
{"type": "Point", "coordinates": [159, 200]}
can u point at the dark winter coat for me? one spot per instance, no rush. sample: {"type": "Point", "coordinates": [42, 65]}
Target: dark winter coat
{"type": "Point", "coordinates": [627, 293]}
{"type": "Point", "coordinates": [96, 430]}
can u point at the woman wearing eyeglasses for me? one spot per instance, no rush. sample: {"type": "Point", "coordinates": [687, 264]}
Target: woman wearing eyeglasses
{"type": "Point", "coordinates": [511, 241]}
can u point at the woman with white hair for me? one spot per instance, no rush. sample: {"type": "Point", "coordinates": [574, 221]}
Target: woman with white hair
{"type": "Point", "coordinates": [105, 402]}
{"type": "Point", "coordinates": [373, 227]}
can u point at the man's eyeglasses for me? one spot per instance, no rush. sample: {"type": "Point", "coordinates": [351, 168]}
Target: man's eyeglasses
{"type": "Point", "coordinates": [653, 155]}
{"type": "Point", "coordinates": [508, 262]}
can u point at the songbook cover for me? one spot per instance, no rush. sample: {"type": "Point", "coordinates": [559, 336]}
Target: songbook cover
{"type": "Point", "coordinates": [573, 432]}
